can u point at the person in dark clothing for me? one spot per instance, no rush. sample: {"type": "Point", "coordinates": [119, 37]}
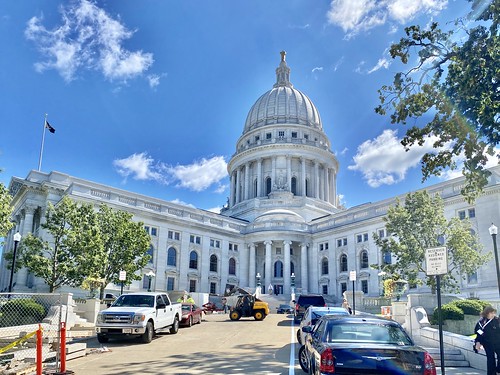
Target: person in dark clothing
{"type": "Point", "coordinates": [488, 336]}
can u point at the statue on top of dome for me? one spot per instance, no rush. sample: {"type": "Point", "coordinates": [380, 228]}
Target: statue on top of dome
{"type": "Point", "coordinates": [283, 55]}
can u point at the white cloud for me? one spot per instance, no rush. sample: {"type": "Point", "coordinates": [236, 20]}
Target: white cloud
{"type": "Point", "coordinates": [338, 63]}
{"type": "Point", "coordinates": [196, 177]}
{"type": "Point", "coordinates": [382, 63]}
{"type": "Point", "coordinates": [355, 16]}
{"type": "Point", "coordinates": [215, 210]}
{"type": "Point", "coordinates": [182, 203]}
{"type": "Point", "coordinates": [88, 39]}
{"type": "Point", "coordinates": [457, 172]}
{"type": "Point", "coordinates": [317, 69]}
{"type": "Point", "coordinates": [384, 161]}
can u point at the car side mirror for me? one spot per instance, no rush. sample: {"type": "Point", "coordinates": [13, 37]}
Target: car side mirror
{"type": "Point", "coordinates": [307, 329]}
{"type": "Point", "coordinates": [293, 301]}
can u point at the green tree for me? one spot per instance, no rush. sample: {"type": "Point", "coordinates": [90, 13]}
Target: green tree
{"type": "Point", "coordinates": [125, 247]}
{"type": "Point", "coordinates": [5, 211]}
{"type": "Point", "coordinates": [455, 88]}
{"type": "Point", "coordinates": [72, 254]}
{"type": "Point", "coordinates": [420, 224]}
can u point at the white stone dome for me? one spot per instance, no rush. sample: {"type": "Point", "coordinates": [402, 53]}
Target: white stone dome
{"type": "Point", "coordinates": [283, 104]}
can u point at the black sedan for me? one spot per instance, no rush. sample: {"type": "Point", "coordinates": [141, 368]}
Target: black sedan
{"type": "Point", "coordinates": [284, 309]}
{"type": "Point", "coordinates": [363, 345]}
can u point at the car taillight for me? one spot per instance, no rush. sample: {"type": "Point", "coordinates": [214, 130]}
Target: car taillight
{"type": "Point", "coordinates": [327, 361]}
{"type": "Point", "coordinates": [429, 365]}
{"type": "Point", "coordinates": [296, 307]}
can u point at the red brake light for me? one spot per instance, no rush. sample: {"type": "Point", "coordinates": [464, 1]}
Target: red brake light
{"type": "Point", "coordinates": [327, 361]}
{"type": "Point", "coordinates": [296, 307]}
{"type": "Point", "coordinates": [429, 365]}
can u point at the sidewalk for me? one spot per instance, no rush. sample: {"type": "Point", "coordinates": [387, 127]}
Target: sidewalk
{"type": "Point", "coordinates": [461, 371]}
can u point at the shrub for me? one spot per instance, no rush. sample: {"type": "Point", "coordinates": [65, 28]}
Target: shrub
{"type": "Point", "coordinates": [469, 306]}
{"type": "Point", "coordinates": [21, 311]}
{"type": "Point", "coordinates": [448, 311]}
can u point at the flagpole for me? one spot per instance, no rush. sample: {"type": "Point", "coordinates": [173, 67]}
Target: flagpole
{"type": "Point", "coordinates": [43, 141]}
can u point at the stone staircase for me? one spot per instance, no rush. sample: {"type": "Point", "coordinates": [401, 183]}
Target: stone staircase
{"type": "Point", "coordinates": [452, 357]}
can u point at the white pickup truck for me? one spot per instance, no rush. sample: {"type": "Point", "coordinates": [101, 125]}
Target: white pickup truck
{"type": "Point", "coordinates": [138, 314]}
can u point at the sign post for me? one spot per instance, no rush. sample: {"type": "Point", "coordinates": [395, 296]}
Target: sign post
{"type": "Point", "coordinates": [352, 277]}
{"type": "Point", "coordinates": [122, 277]}
{"type": "Point", "coordinates": [436, 261]}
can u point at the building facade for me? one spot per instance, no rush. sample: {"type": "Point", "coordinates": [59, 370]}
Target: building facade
{"type": "Point", "coordinates": [282, 225]}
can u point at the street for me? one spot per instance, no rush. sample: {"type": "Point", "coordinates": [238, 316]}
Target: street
{"type": "Point", "coordinates": [217, 346]}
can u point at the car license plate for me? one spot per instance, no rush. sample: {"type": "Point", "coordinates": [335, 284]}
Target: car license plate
{"type": "Point", "coordinates": [127, 330]}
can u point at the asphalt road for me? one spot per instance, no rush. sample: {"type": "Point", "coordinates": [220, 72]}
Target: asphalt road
{"type": "Point", "coordinates": [216, 346]}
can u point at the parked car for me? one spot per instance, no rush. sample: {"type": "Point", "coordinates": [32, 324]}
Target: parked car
{"type": "Point", "coordinates": [210, 307]}
{"type": "Point", "coordinates": [191, 314]}
{"type": "Point", "coordinates": [311, 316]}
{"type": "Point", "coordinates": [303, 302]}
{"type": "Point", "coordinates": [361, 344]}
{"type": "Point", "coordinates": [284, 309]}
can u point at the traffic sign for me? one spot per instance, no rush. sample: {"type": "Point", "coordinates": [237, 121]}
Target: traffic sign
{"type": "Point", "coordinates": [436, 261]}
{"type": "Point", "coordinates": [122, 276]}
{"type": "Point", "coordinates": [352, 276]}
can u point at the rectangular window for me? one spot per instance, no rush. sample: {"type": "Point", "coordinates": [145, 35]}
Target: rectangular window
{"type": "Point", "coordinates": [145, 282]}
{"type": "Point", "coordinates": [306, 136]}
{"type": "Point", "coordinates": [461, 215]}
{"type": "Point", "coordinates": [359, 238]}
{"type": "Point", "coordinates": [233, 247]}
{"type": "Point", "coordinates": [170, 283]}
{"type": "Point", "coordinates": [257, 138]}
{"type": "Point", "coordinates": [278, 251]}
{"type": "Point", "coordinates": [281, 134]}
{"type": "Point", "coordinates": [365, 237]}
{"type": "Point", "coordinates": [323, 246]}
{"type": "Point", "coordinates": [344, 243]}
{"type": "Point", "coordinates": [294, 134]}
{"type": "Point", "coordinates": [364, 286]}
{"type": "Point", "coordinates": [381, 233]}
{"type": "Point", "coordinates": [325, 289]}
{"type": "Point", "coordinates": [195, 239]}
{"type": "Point", "coordinates": [472, 213]}
{"type": "Point", "coordinates": [339, 242]}
{"type": "Point", "coordinates": [146, 228]}
{"type": "Point", "coordinates": [268, 135]}
{"type": "Point", "coordinates": [215, 243]}
{"type": "Point", "coordinates": [192, 286]}
{"type": "Point", "coordinates": [213, 288]}
{"type": "Point", "coordinates": [154, 231]}
{"type": "Point", "coordinates": [343, 288]}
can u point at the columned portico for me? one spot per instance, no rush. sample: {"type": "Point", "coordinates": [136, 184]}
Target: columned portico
{"type": "Point", "coordinates": [251, 266]}
{"type": "Point", "coordinates": [286, 267]}
{"type": "Point", "coordinates": [268, 269]}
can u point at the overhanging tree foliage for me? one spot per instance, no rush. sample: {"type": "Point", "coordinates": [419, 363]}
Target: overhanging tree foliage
{"type": "Point", "coordinates": [455, 84]}
{"type": "Point", "coordinates": [420, 224]}
{"type": "Point", "coordinates": [125, 247]}
{"type": "Point", "coordinates": [73, 252]}
{"type": "Point", "coordinates": [5, 211]}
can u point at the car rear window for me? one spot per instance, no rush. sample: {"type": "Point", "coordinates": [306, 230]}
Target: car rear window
{"type": "Point", "coordinates": [312, 300]}
{"type": "Point", "coordinates": [369, 333]}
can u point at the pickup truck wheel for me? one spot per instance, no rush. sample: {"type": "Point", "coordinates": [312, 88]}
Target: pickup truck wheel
{"type": "Point", "coordinates": [259, 315]}
{"type": "Point", "coordinates": [147, 336]}
{"type": "Point", "coordinates": [175, 326]}
{"type": "Point", "coordinates": [102, 339]}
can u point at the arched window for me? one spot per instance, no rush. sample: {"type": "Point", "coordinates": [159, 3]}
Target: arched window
{"type": "Point", "coordinates": [213, 263]}
{"type": "Point", "coordinates": [268, 185]}
{"type": "Point", "coordinates": [193, 260]}
{"type": "Point", "coordinates": [294, 185]}
{"type": "Point", "coordinates": [278, 269]}
{"type": "Point", "coordinates": [343, 263]}
{"type": "Point", "coordinates": [324, 266]}
{"type": "Point", "coordinates": [363, 259]}
{"type": "Point", "coordinates": [151, 252]}
{"type": "Point", "coordinates": [171, 257]}
{"type": "Point", "coordinates": [232, 266]}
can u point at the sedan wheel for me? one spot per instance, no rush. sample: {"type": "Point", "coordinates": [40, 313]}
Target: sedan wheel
{"type": "Point", "coordinates": [298, 336]}
{"type": "Point", "coordinates": [303, 360]}
{"type": "Point", "coordinates": [190, 321]}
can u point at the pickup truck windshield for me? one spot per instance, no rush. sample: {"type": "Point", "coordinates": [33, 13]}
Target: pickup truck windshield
{"type": "Point", "coordinates": [135, 301]}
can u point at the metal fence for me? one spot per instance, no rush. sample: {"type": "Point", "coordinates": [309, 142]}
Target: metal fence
{"type": "Point", "coordinates": [21, 316]}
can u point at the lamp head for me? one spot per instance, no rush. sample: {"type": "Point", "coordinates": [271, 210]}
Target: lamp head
{"type": "Point", "coordinates": [493, 229]}
{"type": "Point", "coordinates": [17, 237]}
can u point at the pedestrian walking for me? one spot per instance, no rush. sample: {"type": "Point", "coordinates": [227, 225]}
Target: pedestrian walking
{"type": "Point", "coordinates": [346, 306]}
{"type": "Point", "coordinates": [488, 336]}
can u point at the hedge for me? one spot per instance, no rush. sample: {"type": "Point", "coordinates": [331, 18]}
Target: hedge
{"type": "Point", "coordinates": [17, 312]}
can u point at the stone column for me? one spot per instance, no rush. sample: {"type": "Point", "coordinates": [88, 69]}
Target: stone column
{"type": "Point", "coordinates": [247, 169]}
{"type": "Point", "coordinates": [22, 274]}
{"type": "Point", "coordinates": [238, 187]}
{"type": "Point", "coordinates": [268, 268]}
{"type": "Point", "coordinates": [286, 267]}
{"type": "Point", "coordinates": [251, 267]}
{"type": "Point", "coordinates": [303, 177]}
{"type": "Point", "coordinates": [289, 172]}
{"type": "Point", "coordinates": [259, 178]}
{"type": "Point", "coordinates": [273, 174]}
{"type": "Point", "coordinates": [232, 187]}
{"type": "Point", "coordinates": [327, 184]}
{"type": "Point", "coordinates": [334, 187]}
{"type": "Point", "coordinates": [304, 276]}
{"type": "Point", "coordinates": [316, 180]}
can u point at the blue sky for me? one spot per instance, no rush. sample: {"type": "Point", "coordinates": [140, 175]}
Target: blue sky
{"type": "Point", "coordinates": [151, 96]}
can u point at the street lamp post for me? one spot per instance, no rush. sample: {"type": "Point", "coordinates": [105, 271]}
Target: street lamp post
{"type": "Point", "coordinates": [292, 279]}
{"type": "Point", "coordinates": [493, 232]}
{"type": "Point", "coordinates": [17, 238]}
{"type": "Point", "coordinates": [150, 276]}
{"type": "Point", "coordinates": [258, 279]}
